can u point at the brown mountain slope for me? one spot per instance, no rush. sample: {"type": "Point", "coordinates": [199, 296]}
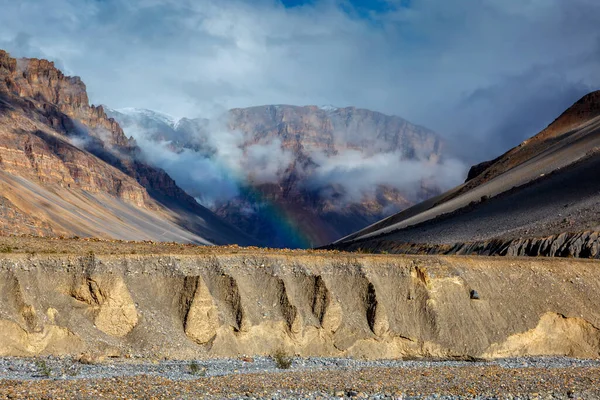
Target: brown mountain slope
{"type": "Point", "coordinates": [67, 169]}
{"type": "Point", "coordinates": [546, 185]}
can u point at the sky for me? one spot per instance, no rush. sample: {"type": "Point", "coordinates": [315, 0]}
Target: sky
{"type": "Point", "coordinates": [484, 74]}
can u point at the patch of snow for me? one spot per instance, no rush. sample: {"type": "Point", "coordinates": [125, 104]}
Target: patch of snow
{"type": "Point", "coordinates": [154, 115]}
{"type": "Point", "coordinates": [329, 108]}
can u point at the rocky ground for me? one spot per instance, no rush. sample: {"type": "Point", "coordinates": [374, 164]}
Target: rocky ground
{"type": "Point", "coordinates": [312, 378]}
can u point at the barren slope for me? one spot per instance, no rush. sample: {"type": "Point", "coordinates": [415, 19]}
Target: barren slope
{"type": "Point", "coordinates": [547, 185]}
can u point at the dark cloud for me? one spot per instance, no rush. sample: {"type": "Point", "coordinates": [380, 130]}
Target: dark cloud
{"type": "Point", "coordinates": [493, 119]}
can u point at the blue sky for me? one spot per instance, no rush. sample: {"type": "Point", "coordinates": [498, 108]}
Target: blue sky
{"type": "Point", "coordinates": [363, 7]}
{"type": "Point", "coordinates": [486, 74]}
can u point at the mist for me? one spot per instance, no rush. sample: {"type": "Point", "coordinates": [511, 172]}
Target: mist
{"type": "Point", "coordinates": [360, 174]}
{"type": "Point", "coordinates": [215, 163]}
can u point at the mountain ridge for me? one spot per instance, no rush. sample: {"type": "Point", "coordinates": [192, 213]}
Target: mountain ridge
{"type": "Point", "coordinates": [546, 186]}
{"type": "Point", "coordinates": [294, 143]}
{"type": "Point", "coordinates": [61, 157]}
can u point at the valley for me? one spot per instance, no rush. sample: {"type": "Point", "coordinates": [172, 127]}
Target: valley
{"type": "Point", "coordinates": [143, 255]}
{"type": "Point", "coordinates": [296, 176]}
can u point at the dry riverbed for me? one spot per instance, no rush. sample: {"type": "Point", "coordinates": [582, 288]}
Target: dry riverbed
{"type": "Point", "coordinates": [311, 378]}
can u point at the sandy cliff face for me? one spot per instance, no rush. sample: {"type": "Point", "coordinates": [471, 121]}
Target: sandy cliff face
{"type": "Point", "coordinates": [68, 169]}
{"type": "Point", "coordinates": [37, 102]}
{"type": "Point", "coordinates": [229, 304]}
{"type": "Point", "coordinates": [60, 102]}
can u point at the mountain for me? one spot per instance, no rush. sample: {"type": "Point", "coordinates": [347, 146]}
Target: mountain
{"type": "Point", "coordinates": [546, 186]}
{"type": "Point", "coordinates": [301, 172]}
{"type": "Point", "coordinates": [66, 168]}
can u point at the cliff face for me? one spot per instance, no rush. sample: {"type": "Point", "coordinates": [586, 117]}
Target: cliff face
{"type": "Point", "coordinates": [35, 125]}
{"type": "Point", "coordinates": [61, 102]}
{"type": "Point", "coordinates": [322, 211]}
{"type": "Point", "coordinates": [307, 138]}
{"type": "Point", "coordinates": [240, 302]}
{"type": "Point", "coordinates": [333, 129]}
{"type": "Point", "coordinates": [53, 143]}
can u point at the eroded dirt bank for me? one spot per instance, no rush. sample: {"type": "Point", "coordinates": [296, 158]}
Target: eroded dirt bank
{"type": "Point", "coordinates": [228, 304]}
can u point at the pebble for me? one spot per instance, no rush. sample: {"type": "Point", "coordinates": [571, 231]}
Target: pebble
{"type": "Point", "coordinates": [309, 378]}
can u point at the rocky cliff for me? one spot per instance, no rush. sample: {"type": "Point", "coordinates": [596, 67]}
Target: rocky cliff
{"type": "Point", "coordinates": [308, 139]}
{"type": "Point", "coordinates": [61, 157]}
{"type": "Point", "coordinates": [322, 210]}
{"type": "Point", "coordinates": [332, 129]}
{"type": "Point", "coordinates": [247, 302]}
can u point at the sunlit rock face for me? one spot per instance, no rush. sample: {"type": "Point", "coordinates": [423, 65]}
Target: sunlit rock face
{"type": "Point", "coordinates": [66, 168]}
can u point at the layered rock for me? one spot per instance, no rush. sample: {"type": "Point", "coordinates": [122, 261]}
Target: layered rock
{"type": "Point", "coordinates": [303, 129]}
{"type": "Point", "coordinates": [59, 157]}
{"type": "Point", "coordinates": [579, 245]}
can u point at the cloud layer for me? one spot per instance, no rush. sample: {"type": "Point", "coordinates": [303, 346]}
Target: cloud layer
{"type": "Point", "coordinates": [485, 74]}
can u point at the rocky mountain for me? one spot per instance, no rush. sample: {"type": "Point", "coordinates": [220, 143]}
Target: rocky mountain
{"type": "Point", "coordinates": [66, 168]}
{"type": "Point", "coordinates": [300, 171]}
{"type": "Point", "coordinates": [539, 198]}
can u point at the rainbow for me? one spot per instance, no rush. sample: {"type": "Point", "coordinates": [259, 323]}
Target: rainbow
{"type": "Point", "coordinates": [286, 221]}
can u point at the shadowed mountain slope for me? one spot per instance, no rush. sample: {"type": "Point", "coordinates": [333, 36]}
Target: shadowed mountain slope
{"type": "Point", "coordinates": [545, 186]}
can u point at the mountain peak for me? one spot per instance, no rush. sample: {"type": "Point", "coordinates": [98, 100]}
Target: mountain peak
{"type": "Point", "coordinates": [586, 108]}
{"type": "Point", "coordinates": [71, 169]}
{"type": "Point", "coordinates": [144, 112]}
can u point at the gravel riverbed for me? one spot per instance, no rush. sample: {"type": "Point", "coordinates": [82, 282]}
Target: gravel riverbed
{"type": "Point", "coordinates": [309, 378]}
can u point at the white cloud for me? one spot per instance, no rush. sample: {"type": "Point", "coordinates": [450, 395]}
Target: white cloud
{"type": "Point", "coordinates": [360, 174]}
